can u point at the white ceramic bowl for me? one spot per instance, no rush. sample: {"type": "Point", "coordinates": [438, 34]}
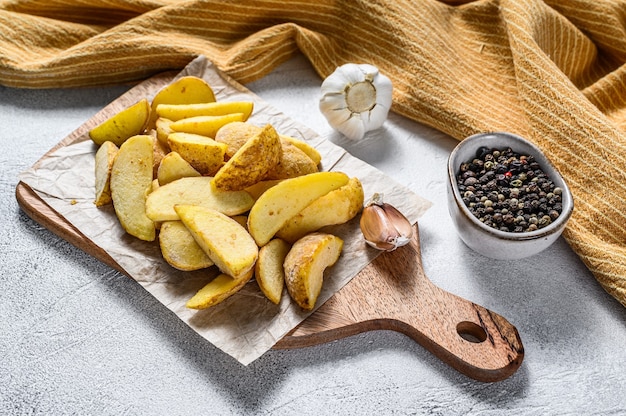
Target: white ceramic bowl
{"type": "Point", "coordinates": [491, 242]}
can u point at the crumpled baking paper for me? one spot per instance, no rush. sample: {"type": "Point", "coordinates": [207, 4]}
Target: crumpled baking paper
{"type": "Point", "coordinates": [246, 325]}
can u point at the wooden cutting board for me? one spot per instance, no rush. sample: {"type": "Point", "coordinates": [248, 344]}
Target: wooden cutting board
{"type": "Point", "coordinates": [391, 293]}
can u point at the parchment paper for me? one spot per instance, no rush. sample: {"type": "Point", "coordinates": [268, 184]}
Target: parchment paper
{"type": "Point", "coordinates": [246, 325]}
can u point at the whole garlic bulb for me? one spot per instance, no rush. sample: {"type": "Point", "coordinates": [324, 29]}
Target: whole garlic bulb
{"type": "Point", "coordinates": [356, 98]}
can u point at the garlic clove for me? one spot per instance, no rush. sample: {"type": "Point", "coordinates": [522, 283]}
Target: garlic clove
{"type": "Point", "coordinates": [334, 105]}
{"type": "Point", "coordinates": [353, 127]}
{"type": "Point", "coordinates": [356, 98]}
{"type": "Point", "coordinates": [334, 85]}
{"type": "Point", "coordinates": [383, 226]}
{"type": "Point", "coordinates": [353, 73]}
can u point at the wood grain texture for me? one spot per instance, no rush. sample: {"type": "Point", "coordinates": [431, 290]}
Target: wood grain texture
{"type": "Point", "coordinates": [391, 293]}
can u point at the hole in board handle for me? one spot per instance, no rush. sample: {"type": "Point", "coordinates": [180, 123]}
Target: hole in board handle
{"type": "Point", "coordinates": [471, 332]}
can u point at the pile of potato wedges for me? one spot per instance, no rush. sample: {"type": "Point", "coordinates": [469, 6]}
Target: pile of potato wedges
{"type": "Point", "coordinates": [217, 191]}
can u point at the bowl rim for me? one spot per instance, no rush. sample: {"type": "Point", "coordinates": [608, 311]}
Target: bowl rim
{"type": "Point", "coordinates": [546, 165]}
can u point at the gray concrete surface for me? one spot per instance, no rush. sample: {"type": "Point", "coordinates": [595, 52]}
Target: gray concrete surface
{"type": "Point", "coordinates": [78, 338]}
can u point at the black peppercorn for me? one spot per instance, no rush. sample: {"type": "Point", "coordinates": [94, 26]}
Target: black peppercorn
{"type": "Point", "coordinates": [508, 191]}
{"type": "Point", "coordinates": [481, 152]}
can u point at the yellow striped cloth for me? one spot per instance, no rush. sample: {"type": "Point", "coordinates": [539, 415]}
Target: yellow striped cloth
{"type": "Point", "coordinates": [552, 71]}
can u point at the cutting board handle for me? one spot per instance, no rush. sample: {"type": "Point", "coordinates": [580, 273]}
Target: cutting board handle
{"type": "Point", "coordinates": [394, 293]}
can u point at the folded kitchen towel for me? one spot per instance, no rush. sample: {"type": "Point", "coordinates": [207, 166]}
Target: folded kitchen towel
{"type": "Point", "coordinates": [552, 71]}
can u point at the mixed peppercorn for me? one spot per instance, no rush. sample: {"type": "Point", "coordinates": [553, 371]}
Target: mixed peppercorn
{"type": "Point", "coordinates": [508, 191]}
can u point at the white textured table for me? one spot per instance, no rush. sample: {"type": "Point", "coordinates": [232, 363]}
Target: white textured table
{"type": "Point", "coordinates": [77, 337]}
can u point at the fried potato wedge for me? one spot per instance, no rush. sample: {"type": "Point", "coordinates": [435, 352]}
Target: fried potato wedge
{"type": "Point", "coordinates": [177, 112]}
{"type": "Point", "coordinates": [179, 248]}
{"type": "Point", "coordinates": [297, 157]}
{"type": "Point", "coordinates": [260, 187]}
{"type": "Point", "coordinates": [305, 264]}
{"type": "Point", "coordinates": [174, 167]}
{"type": "Point", "coordinates": [293, 162]}
{"type": "Point", "coordinates": [131, 181]}
{"type": "Point", "coordinates": [223, 239]}
{"type": "Point", "coordinates": [235, 134]}
{"type": "Point", "coordinates": [203, 153]}
{"type": "Point", "coordinates": [241, 219]}
{"type": "Point", "coordinates": [155, 185]}
{"type": "Point", "coordinates": [160, 204]}
{"type": "Point", "coordinates": [251, 163]}
{"type": "Point", "coordinates": [309, 150]}
{"type": "Point", "coordinates": [159, 151]}
{"type": "Point", "coordinates": [185, 90]}
{"type": "Point", "coordinates": [205, 125]}
{"type": "Point", "coordinates": [218, 290]}
{"type": "Point", "coordinates": [269, 271]}
{"type": "Point", "coordinates": [129, 122]}
{"type": "Point", "coordinates": [336, 207]}
{"type": "Point", "coordinates": [163, 130]}
{"type": "Point", "coordinates": [103, 166]}
{"type": "Point", "coordinates": [276, 206]}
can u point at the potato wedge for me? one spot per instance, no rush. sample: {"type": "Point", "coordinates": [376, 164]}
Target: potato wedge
{"type": "Point", "coordinates": [177, 112]}
{"type": "Point", "coordinates": [163, 129]}
{"type": "Point", "coordinates": [309, 150]}
{"type": "Point", "coordinates": [160, 150]}
{"type": "Point", "coordinates": [218, 290]}
{"type": "Point", "coordinates": [131, 180]}
{"type": "Point", "coordinates": [174, 167]}
{"type": "Point", "coordinates": [252, 162]}
{"type": "Point", "coordinates": [129, 122]}
{"type": "Point", "coordinates": [154, 186]}
{"type": "Point", "coordinates": [293, 162]}
{"type": "Point", "coordinates": [260, 187]}
{"type": "Point", "coordinates": [305, 264]}
{"type": "Point", "coordinates": [242, 220]}
{"type": "Point", "coordinates": [205, 125]}
{"type": "Point", "coordinates": [336, 207]}
{"type": "Point", "coordinates": [185, 90]}
{"type": "Point", "coordinates": [269, 271]}
{"type": "Point", "coordinates": [179, 248]}
{"type": "Point", "coordinates": [104, 164]}
{"type": "Point", "coordinates": [203, 153]}
{"type": "Point", "coordinates": [281, 202]}
{"type": "Point", "coordinates": [223, 239]}
{"type": "Point", "coordinates": [195, 191]}
{"type": "Point", "coordinates": [235, 134]}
